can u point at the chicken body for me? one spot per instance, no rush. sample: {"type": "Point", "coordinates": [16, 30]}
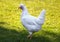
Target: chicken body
{"type": "Point", "coordinates": [31, 23]}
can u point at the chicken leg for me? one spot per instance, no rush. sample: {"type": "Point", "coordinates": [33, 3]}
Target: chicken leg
{"type": "Point", "coordinates": [30, 35]}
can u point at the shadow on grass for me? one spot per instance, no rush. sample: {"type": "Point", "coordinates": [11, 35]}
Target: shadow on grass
{"type": "Point", "coordinates": [7, 35]}
{"type": "Point", "coordinates": [54, 37]}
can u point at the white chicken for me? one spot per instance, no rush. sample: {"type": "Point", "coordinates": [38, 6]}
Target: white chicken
{"type": "Point", "coordinates": [31, 23]}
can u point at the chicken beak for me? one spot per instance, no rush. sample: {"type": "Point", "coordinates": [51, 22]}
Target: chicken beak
{"type": "Point", "coordinates": [18, 7]}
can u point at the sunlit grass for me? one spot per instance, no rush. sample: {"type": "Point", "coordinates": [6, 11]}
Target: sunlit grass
{"type": "Point", "coordinates": [10, 20]}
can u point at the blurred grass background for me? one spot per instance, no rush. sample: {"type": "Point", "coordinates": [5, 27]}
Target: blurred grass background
{"type": "Point", "coordinates": [11, 29]}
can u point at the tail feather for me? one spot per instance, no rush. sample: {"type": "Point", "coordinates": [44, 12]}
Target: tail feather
{"type": "Point", "coordinates": [41, 17]}
{"type": "Point", "coordinates": [42, 14]}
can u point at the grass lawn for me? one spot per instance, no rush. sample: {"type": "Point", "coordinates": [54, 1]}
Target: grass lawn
{"type": "Point", "coordinates": [12, 30]}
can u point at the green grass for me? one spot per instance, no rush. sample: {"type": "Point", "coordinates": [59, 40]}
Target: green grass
{"type": "Point", "coordinates": [12, 30]}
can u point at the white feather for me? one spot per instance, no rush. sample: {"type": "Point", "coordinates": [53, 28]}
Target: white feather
{"type": "Point", "coordinates": [31, 23]}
